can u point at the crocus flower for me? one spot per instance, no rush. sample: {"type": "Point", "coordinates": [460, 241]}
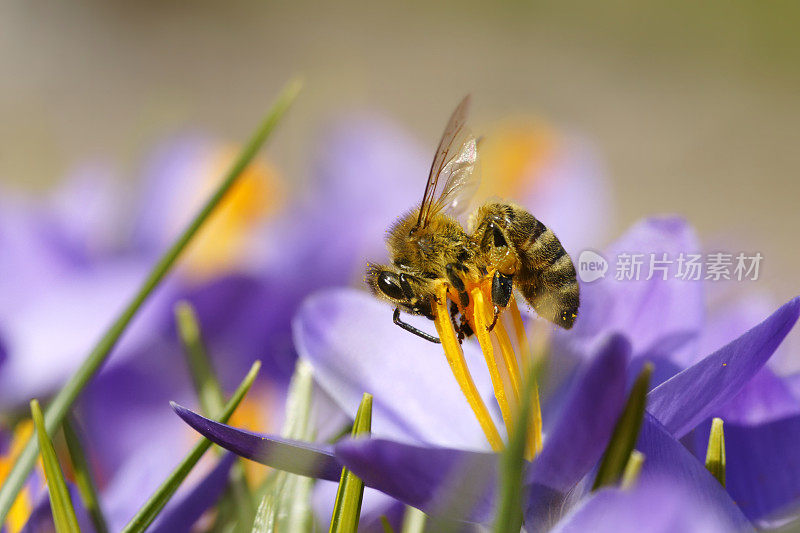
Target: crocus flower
{"type": "Point", "coordinates": [417, 473]}
{"type": "Point", "coordinates": [336, 328]}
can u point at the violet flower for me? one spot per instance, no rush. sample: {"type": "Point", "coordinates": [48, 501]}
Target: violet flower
{"type": "Point", "coordinates": [417, 474]}
{"type": "Point", "coordinates": [352, 351]}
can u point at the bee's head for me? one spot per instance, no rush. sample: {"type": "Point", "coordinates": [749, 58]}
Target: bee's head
{"type": "Point", "coordinates": [399, 288]}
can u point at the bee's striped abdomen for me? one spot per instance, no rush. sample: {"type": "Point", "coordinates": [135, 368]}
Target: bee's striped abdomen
{"type": "Point", "coordinates": [546, 276]}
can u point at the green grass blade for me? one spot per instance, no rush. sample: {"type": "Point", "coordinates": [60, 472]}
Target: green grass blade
{"type": "Point", "coordinates": [83, 476]}
{"type": "Point", "coordinates": [60, 502]}
{"type": "Point", "coordinates": [347, 509]}
{"type": "Point", "coordinates": [386, 525]}
{"type": "Point", "coordinates": [715, 455]}
{"type": "Point", "coordinates": [145, 516]}
{"type": "Point", "coordinates": [212, 400]}
{"type": "Point", "coordinates": [209, 391]}
{"type": "Point", "coordinates": [286, 505]}
{"type": "Point", "coordinates": [618, 451]}
{"type": "Point", "coordinates": [512, 462]}
{"type": "Point", "coordinates": [63, 401]}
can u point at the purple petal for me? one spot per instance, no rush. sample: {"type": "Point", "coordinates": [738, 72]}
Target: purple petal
{"type": "Point", "coordinates": [733, 315]}
{"type": "Point", "coordinates": [696, 393]}
{"type": "Point", "coordinates": [124, 411]}
{"type": "Point", "coordinates": [657, 505]}
{"type": "Point", "coordinates": [3, 351]}
{"type": "Point", "coordinates": [368, 157]}
{"type": "Point", "coordinates": [350, 340]}
{"type": "Point", "coordinates": [246, 317]}
{"type": "Point", "coordinates": [667, 458]}
{"type": "Point", "coordinates": [426, 477]}
{"type": "Point", "coordinates": [181, 513]}
{"type": "Point", "coordinates": [647, 312]}
{"type": "Point", "coordinates": [76, 310]}
{"type": "Point", "coordinates": [763, 399]}
{"type": "Point", "coordinates": [141, 474]}
{"type": "Point", "coordinates": [432, 478]}
{"type": "Point", "coordinates": [303, 458]}
{"type": "Point", "coordinates": [587, 420]}
{"type": "Point", "coordinates": [580, 435]}
{"type": "Point", "coordinates": [32, 258]}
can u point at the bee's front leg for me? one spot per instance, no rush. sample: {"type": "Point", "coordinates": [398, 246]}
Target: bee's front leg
{"type": "Point", "coordinates": [502, 288]}
{"type": "Point", "coordinates": [412, 329]}
{"type": "Point", "coordinates": [454, 272]}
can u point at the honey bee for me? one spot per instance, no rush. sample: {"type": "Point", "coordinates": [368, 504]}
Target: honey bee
{"type": "Point", "coordinates": [429, 246]}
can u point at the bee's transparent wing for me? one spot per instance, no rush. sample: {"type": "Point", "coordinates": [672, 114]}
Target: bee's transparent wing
{"type": "Point", "coordinates": [462, 178]}
{"type": "Point", "coordinates": [450, 148]}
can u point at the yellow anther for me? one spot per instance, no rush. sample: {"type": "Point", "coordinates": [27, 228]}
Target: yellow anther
{"type": "Point", "coordinates": [509, 358]}
{"type": "Point", "coordinates": [506, 371]}
{"type": "Point", "coordinates": [458, 365]}
{"type": "Point", "coordinates": [482, 332]}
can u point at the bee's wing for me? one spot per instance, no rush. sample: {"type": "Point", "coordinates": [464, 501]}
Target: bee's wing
{"type": "Point", "coordinates": [452, 169]}
{"type": "Point", "coordinates": [461, 178]}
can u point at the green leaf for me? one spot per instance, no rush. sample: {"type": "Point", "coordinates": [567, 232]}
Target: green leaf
{"type": "Point", "coordinates": [286, 505]}
{"type": "Point", "coordinates": [347, 509]}
{"type": "Point", "coordinates": [715, 455]}
{"type": "Point", "coordinates": [60, 502]}
{"type": "Point", "coordinates": [626, 432]}
{"type": "Point", "coordinates": [512, 462]}
{"type": "Point", "coordinates": [632, 469]}
{"type": "Point", "coordinates": [83, 476]}
{"type": "Point", "coordinates": [63, 401]}
{"type": "Point", "coordinates": [212, 399]}
{"type": "Point", "coordinates": [145, 516]}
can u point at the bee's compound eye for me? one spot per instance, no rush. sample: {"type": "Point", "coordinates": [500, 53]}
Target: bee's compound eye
{"type": "Point", "coordinates": [389, 284]}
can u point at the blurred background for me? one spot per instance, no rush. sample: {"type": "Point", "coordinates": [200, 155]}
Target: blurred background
{"type": "Point", "coordinates": [693, 107]}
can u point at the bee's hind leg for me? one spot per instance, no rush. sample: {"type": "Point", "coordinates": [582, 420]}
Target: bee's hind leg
{"type": "Point", "coordinates": [502, 288]}
{"type": "Point", "coordinates": [412, 329]}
